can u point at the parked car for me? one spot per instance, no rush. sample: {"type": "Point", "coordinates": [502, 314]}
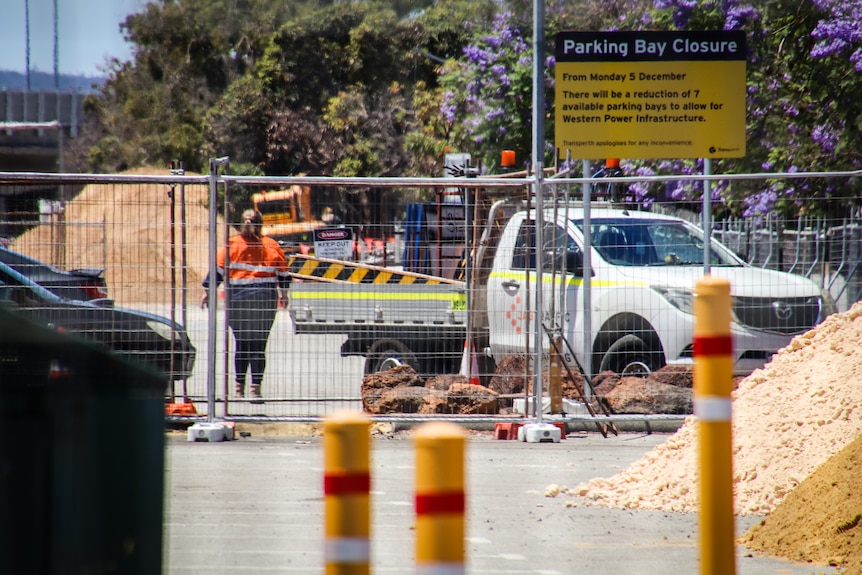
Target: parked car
{"type": "Point", "coordinates": [138, 336]}
{"type": "Point", "coordinates": [80, 284]}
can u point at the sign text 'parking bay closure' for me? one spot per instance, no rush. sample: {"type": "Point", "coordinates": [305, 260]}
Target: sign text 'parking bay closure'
{"type": "Point", "coordinates": [650, 94]}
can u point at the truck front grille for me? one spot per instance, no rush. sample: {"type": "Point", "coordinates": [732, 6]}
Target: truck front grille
{"type": "Point", "coordinates": [784, 316]}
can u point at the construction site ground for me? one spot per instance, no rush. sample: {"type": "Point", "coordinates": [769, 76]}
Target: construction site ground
{"type": "Point", "coordinates": [255, 505]}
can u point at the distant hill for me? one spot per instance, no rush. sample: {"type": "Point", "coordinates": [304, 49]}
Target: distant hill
{"type": "Point", "coordinates": [44, 82]}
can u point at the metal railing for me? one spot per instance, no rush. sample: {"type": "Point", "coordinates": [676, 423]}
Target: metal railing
{"type": "Point", "coordinates": [152, 234]}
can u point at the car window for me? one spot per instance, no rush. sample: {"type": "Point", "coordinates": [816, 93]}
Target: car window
{"type": "Point", "coordinates": [628, 242]}
{"type": "Point", "coordinates": [23, 289]}
{"type": "Point", "coordinates": [23, 263]}
{"type": "Point", "coordinates": [558, 244]}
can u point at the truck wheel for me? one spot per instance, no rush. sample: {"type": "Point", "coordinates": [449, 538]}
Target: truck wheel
{"type": "Point", "coordinates": [386, 354]}
{"type": "Point", "coordinates": [630, 356]}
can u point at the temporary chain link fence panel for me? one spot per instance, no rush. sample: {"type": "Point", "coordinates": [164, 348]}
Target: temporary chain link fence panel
{"type": "Point", "coordinates": [404, 302]}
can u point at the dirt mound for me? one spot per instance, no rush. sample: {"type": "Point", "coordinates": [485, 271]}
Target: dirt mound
{"type": "Point", "coordinates": [819, 521]}
{"type": "Point", "coordinates": [126, 229]}
{"type": "Point", "coordinates": [645, 395]}
{"type": "Point", "coordinates": [788, 419]}
{"type": "Point", "coordinates": [401, 390]}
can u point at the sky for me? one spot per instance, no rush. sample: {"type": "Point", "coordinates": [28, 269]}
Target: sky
{"type": "Point", "coordinates": [89, 33]}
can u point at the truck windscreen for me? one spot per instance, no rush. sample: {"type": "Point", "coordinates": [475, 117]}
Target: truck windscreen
{"type": "Point", "coordinates": [648, 242]}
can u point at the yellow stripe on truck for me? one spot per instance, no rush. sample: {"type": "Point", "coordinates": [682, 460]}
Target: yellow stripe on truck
{"type": "Point", "coordinates": [547, 278]}
{"type": "Point", "coordinates": [424, 296]}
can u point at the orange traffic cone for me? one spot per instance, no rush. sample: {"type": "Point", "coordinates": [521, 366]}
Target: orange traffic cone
{"type": "Point", "coordinates": [469, 365]}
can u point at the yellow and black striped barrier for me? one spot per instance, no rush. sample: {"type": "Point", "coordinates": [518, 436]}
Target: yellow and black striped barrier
{"type": "Point", "coordinates": [440, 499]}
{"type": "Point", "coordinates": [346, 488]}
{"type": "Point", "coordinates": [310, 268]}
{"type": "Point", "coordinates": [713, 383]}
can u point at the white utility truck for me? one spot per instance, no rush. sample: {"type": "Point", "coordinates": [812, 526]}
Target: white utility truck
{"type": "Point", "coordinates": [644, 268]}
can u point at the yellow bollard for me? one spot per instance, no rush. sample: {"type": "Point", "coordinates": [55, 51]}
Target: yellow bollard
{"type": "Point", "coordinates": [440, 500]}
{"type": "Point", "coordinates": [346, 487]}
{"type": "Point", "coordinates": [713, 383]}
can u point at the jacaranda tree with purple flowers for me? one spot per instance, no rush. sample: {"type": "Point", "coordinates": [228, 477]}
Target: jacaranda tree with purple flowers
{"type": "Point", "coordinates": [804, 104]}
{"type": "Point", "coordinates": [804, 97]}
{"type": "Point", "coordinates": [487, 93]}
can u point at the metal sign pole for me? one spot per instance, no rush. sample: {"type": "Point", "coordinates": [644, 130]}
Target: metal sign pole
{"type": "Point", "coordinates": [707, 215]}
{"type": "Point", "coordinates": [587, 284]}
{"type": "Point", "coordinates": [538, 172]}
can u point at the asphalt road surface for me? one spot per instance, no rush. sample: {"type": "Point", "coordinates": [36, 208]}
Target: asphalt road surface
{"type": "Point", "coordinates": [255, 505]}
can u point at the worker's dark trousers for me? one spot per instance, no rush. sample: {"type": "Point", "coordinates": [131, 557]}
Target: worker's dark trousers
{"type": "Point", "coordinates": [250, 319]}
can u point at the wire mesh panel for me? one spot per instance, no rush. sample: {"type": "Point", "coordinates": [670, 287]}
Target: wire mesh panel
{"type": "Point", "coordinates": [144, 243]}
{"type": "Point", "coordinates": [411, 298]}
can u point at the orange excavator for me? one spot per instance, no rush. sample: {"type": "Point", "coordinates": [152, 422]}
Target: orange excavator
{"type": "Point", "coordinates": [287, 217]}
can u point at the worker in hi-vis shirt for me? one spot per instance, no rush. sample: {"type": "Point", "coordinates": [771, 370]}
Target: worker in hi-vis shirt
{"type": "Point", "coordinates": [257, 274]}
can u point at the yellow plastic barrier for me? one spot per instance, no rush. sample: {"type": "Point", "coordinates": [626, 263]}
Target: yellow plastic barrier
{"type": "Point", "coordinates": [346, 487]}
{"type": "Point", "coordinates": [440, 500]}
{"type": "Point", "coordinates": [713, 383]}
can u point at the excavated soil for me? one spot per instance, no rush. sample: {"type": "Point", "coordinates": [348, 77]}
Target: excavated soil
{"type": "Point", "coordinates": [790, 419]}
{"type": "Point", "coordinates": [126, 230]}
{"type": "Point", "coordinates": [819, 521]}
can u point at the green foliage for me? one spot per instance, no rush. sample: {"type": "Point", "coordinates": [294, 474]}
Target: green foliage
{"type": "Point", "coordinates": [236, 125]}
{"type": "Point", "coordinates": [187, 53]}
{"type": "Point", "coordinates": [388, 87]}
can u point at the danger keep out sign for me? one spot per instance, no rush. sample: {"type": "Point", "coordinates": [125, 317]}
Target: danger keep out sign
{"type": "Point", "coordinates": [650, 94]}
{"type": "Point", "coordinates": [333, 243]}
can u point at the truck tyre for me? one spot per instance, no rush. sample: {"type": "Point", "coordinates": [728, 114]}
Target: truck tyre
{"type": "Point", "coordinates": [630, 356]}
{"type": "Point", "coordinates": [386, 354]}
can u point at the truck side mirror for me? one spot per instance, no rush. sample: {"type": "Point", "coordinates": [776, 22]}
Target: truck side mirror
{"type": "Point", "coordinates": [552, 260]}
{"type": "Point", "coordinates": [574, 262]}
{"type": "Point", "coordinates": [573, 258]}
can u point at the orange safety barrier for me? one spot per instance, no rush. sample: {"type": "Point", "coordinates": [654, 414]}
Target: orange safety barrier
{"type": "Point", "coordinates": [180, 409]}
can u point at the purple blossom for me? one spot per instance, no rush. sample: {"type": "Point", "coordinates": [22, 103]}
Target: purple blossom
{"type": "Point", "coordinates": [826, 136]}
{"type": "Point", "coordinates": [494, 114]}
{"type": "Point", "coordinates": [738, 16]}
{"type": "Point", "coordinates": [839, 31]}
{"type": "Point", "coordinates": [760, 203]}
{"type": "Point", "coordinates": [449, 107]}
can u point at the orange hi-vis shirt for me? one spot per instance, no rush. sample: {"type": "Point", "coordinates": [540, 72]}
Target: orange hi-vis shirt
{"type": "Point", "coordinates": [253, 263]}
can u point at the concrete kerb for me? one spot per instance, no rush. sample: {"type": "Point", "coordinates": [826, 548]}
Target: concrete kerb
{"type": "Point", "coordinates": [665, 424]}
{"type": "Point", "coordinates": [273, 428]}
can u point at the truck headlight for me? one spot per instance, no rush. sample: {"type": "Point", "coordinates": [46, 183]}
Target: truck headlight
{"type": "Point", "coordinates": [162, 330]}
{"type": "Point", "coordinates": [681, 299]}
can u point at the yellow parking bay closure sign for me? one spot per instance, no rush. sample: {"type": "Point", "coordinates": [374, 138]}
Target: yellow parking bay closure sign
{"type": "Point", "coordinates": [650, 94]}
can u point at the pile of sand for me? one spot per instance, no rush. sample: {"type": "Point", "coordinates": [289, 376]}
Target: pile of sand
{"type": "Point", "coordinates": [126, 229]}
{"type": "Point", "coordinates": [789, 419]}
{"type": "Point", "coordinates": [819, 521]}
